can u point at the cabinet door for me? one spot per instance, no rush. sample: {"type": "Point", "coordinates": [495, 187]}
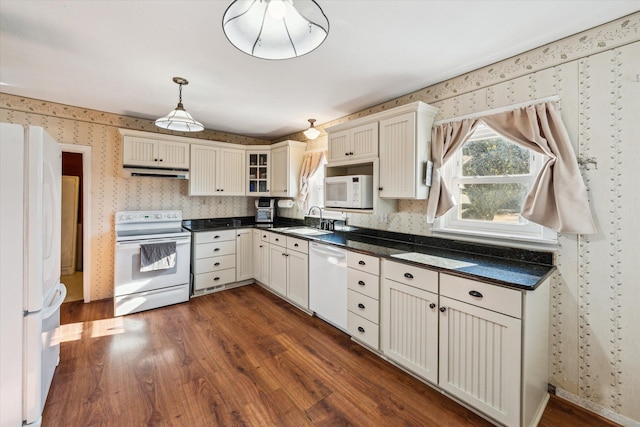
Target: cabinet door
{"type": "Point", "coordinates": [231, 172]}
{"type": "Point", "coordinates": [397, 157]}
{"type": "Point", "coordinates": [409, 328]}
{"type": "Point", "coordinates": [257, 256]}
{"type": "Point", "coordinates": [202, 174]}
{"type": "Point", "coordinates": [339, 146]}
{"type": "Point", "coordinates": [258, 166]}
{"type": "Point", "coordinates": [278, 269]}
{"type": "Point", "coordinates": [280, 172]}
{"type": "Point", "coordinates": [298, 278]}
{"type": "Point", "coordinates": [480, 359]}
{"type": "Point", "coordinates": [139, 151]}
{"type": "Point", "coordinates": [244, 255]}
{"type": "Point", "coordinates": [173, 155]}
{"type": "Point", "coordinates": [364, 142]}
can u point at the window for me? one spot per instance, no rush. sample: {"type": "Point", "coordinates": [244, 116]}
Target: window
{"type": "Point", "coordinates": [489, 178]}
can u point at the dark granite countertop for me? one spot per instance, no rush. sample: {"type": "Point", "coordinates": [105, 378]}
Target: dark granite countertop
{"type": "Point", "coordinates": [515, 268]}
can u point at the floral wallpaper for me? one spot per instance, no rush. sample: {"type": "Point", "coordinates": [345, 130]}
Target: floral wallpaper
{"type": "Point", "coordinates": [594, 335]}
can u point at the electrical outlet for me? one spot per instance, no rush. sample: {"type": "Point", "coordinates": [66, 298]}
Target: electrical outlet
{"type": "Point", "coordinates": [384, 218]}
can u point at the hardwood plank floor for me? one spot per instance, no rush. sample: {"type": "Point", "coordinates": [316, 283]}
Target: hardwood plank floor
{"type": "Point", "coordinates": [241, 357]}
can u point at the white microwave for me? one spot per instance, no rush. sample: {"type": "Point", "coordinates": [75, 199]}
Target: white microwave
{"type": "Point", "coordinates": [349, 191]}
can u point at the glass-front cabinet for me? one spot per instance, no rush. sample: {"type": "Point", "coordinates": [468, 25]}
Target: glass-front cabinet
{"type": "Point", "coordinates": [258, 173]}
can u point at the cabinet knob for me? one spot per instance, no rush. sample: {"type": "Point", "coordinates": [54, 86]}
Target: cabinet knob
{"type": "Point", "coordinates": [360, 282]}
{"type": "Point", "coordinates": [260, 246]}
{"type": "Point", "coordinates": [155, 160]}
{"type": "Point", "coordinates": [216, 249]}
{"type": "Point", "coordinates": [361, 306]}
{"type": "Point", "coordinates": [296, 245]}
{"type": "Point", "coordinates": [408, 275]}
{"type": "Point", "coordinates": [161, 160]}
{"type": "Point", "coordinates": [215, 279]}
{"type": "Point", "coordinates": [432, 305]}
{"type": "Point", "coordinates": [346, 154]}
{"type": "Point", "coordinates": [475, 294]}
{"type": "Point", "coordinates": [216, 264]}
{"type": "Point", "coordinates": [351, 153]}
{"type": "Point", "coordinates": [443, 309]}
{"type": "Point", "coordinates": [216, 236]}
{"type": "Point", "coordinates": [380, 189]}
{"type": "Point", "coordinates": [362, 262]}
{"type": "Point", "coordinates": [360, 329]}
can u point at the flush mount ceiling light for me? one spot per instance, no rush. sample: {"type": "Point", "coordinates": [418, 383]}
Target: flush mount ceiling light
{"type": "Point", "coordinates": [275, 29]}
{"type": "Point", "coordinates": [179, 119]}
{"type": "Point", "coordinates": [312, 132]}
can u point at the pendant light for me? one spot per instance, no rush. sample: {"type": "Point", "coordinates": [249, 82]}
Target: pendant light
{"type": "Point", "coordinates": [312, 132]}
{"type": "Point", "coordinates": [179, 119]}
{"type": "Point", "coordinates": [275, 29]}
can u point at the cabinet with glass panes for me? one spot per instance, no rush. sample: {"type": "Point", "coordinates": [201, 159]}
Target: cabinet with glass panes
{"type": "Point", "coordinates": [258, 173]}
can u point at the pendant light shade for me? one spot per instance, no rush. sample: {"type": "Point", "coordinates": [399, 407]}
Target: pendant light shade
{"type": "Point", "coordinates": [312, 132]}
{"type": "Point", "coordinates": [179, 120]}
{"type": "Point", "coordinates": [275, 29]}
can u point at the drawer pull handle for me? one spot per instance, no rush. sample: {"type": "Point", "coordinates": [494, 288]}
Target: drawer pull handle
{"type": "Point", "coordinates": [361, 305]}
{"type": "Point", "coordinates": [475, 294]}
{"type": "Point", "coordinates": [360, 282]}
{"type": "Point", "coordinates": [362, 262]}
{"type": "Point", "coordinates": [432, 305]}
{"type": "Point", "coordinates": [277, 240]}
{"type": "Point", "coordinates": [264, 236]}
{"type": "Point", "coordinates": [408, 275]}
{"type": "Point", "coordinates": [216, 237]}
{"type": "Point", "coordinates": [296, 245]}
{"type": "Point", "coordinates": [443, 309]}
{"type": "Point", "coordinates": [216, 249]}
{"type": "Point", "coordinates": [360, 329]}
{"type": "Point", "coordinates": [216, 264]}
{"type": "Point", "coordinates": [215, 279]}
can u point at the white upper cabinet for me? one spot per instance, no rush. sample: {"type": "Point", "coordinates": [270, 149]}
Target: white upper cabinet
{"type": "Point", "coordinates": [356, 144]}
{"type": "Point", "coordinates": [404, 152]}
{"type": "Point", "coordinates": [216, 171]}
{"type": "Point", "coordinates": [148, 152]}
{"type": "Point", "coordinates": [286, 161]}
{"type": "Point", "coordinates": [258, 174]}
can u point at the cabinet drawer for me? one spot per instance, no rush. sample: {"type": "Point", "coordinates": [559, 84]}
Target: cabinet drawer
{"type": "Point", "coordinates": [297, 245]}
{"type": "Point", "coordinates": [278, 239]}
{"type": "Point", "coordinates": [367, 263]}
{"type": "Point", "coordinates": [485, 295]}
{"type": "Point", "coordinates": [214, 236]}
{"type": "Point", "coordinates": [363, 330]}
{"type": "Point", "coordinates": [205, 265]}
{"type": "Point", "coordinates": [363, 306]}
{"type": "Point", "coordinates": [215, 249]}
{"type": "Point", "coordinates": [214, 278]}
{"type": "Point", "coordinates": [365, 283]}
{"type": "Point", "coordinates": [411, 275]}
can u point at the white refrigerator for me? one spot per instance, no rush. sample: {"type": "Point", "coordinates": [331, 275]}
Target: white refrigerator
{"type": "Point", "coordinates": [30, 288]}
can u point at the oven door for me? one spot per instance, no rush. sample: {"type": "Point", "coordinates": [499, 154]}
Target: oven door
{"type": "Point", "coordinates": [128, 279]}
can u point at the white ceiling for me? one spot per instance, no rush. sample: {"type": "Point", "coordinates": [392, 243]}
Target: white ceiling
{"type": "Point", "coordinates": [120, 56]}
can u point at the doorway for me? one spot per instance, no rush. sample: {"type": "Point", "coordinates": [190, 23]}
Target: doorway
{"type": "Point", "coordinates": [76, 222]}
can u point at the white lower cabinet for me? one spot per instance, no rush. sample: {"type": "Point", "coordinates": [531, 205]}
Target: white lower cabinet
{"type": "Point", "coordinates": [289, 268]}
{"type": "Point", "coordinates": [363, 295]}
{"type": "Point", "coordinates": [261, 256]}
{"type": "Point", "coordinates": [244, 254]}
{"type": "Point", "coordinates": [214, 259]}
{"type": "Point", "coordinates": [409, 326]}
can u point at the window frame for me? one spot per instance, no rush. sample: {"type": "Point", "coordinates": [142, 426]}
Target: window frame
{"type": "Point", "coordinates": [526, 231]}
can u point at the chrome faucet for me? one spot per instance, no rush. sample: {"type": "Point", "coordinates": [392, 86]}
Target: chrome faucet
{"type": "Point", "coordinates": [319, 210]}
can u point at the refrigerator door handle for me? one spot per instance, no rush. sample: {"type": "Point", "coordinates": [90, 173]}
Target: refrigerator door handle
{"type": "Point", "coordinates": [61, 290]}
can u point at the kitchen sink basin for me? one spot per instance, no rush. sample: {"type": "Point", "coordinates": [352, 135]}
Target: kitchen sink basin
{"type": "Point", "coordinates": [306, 231]}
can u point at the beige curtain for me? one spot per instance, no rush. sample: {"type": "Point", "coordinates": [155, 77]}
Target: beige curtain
{"type": "Point", "coordinates": [558, 197]}
{"type": "Point", "coordinates": [310, 164]}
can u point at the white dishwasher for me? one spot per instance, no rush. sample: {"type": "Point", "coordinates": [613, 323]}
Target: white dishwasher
{"type": "Point", "coordinates": [328, 284]}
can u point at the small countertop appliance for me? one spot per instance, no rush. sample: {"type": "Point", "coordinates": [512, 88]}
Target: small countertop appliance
{"type": "Point", "coordinates": [265, 210]}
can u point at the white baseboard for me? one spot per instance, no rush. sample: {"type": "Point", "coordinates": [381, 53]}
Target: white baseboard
{"type": "Point", "coordinates": [603, 412]}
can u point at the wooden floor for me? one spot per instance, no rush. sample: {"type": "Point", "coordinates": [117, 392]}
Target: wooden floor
{"type": "Point", "coordinates": [241, 357]}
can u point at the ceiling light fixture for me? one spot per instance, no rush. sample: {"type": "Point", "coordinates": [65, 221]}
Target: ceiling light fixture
{"type": "Point", "coordinates": [275, 29]}
{"type": "Point", "coordinates": [312, 132]}
{"type": "Point", "coordinates": [179, 119]}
